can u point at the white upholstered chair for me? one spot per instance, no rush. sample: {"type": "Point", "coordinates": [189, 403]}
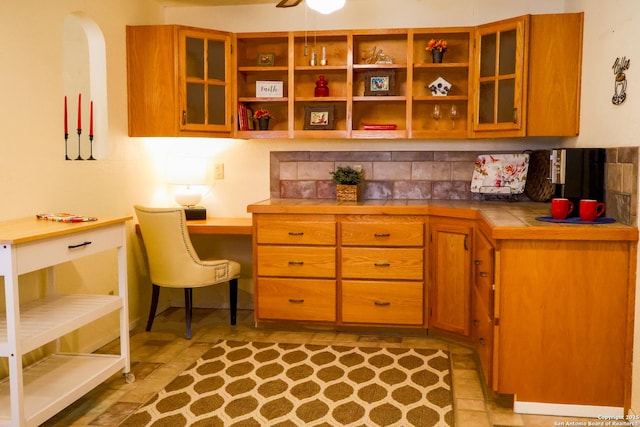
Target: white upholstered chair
{"type": "Point", "coordinates": [173, 262]}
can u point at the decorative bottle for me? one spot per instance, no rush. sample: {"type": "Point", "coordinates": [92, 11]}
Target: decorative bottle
{"type": "Point", "coordinates": [321, 87]}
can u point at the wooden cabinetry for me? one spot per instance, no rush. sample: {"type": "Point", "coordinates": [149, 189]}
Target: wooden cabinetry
{"type": "Point", "coordinates": [450, 251]}
{"type": "Point", "coordinates": [179, 81]}
{"type": "Point", "coordinates": [482, 302]}
{"type": "Point", "coordinates": [295, 264]}
{"type": "Point", "coordinates": [527, 76]}
{"type": "Point", "coordinates": [407, 103]}
{"type": "Point", "coordinates": [30, 396]}
{"type": "Point", "coordinates": [382, 270]}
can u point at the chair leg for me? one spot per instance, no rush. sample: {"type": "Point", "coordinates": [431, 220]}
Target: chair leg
{"type": "Point", "coordinates": [188, 304]}
{"type": "Point", "coordinates": [155, 292]}
{"type": "Point", "coordinates": [233, 299]}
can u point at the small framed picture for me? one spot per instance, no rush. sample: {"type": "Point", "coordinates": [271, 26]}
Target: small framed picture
{"type": "Point", "coordinates": [319, 117]}
{"type": "Point", "coordinates": [266, 58]}
{"type": "Point", "coordinates": [380, 83]}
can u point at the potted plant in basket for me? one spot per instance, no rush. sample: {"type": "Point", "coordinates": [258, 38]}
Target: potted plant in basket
{"type": "Point", "coordinates": [348, 181]}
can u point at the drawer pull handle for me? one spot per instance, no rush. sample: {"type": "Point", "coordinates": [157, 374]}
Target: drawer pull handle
{"type": "Point", "coordinates": [483, 274]}
{"type": "Point", "coordinates": [382, 234]}
{"type": "Point", "coordinates": [382, 303]}
{"type": "Point", "coordinates": [79, 245]}
{"type": "Point", "coordinates": [382, 264]}
{"type": "Point", "coordinates": [483, 341]}
{"type": "Point", "coordinates": [296, 301]}
{"type": "Point", "coordinates": [296, 233]}
{"type": "Point", "coordinates": [296, 262]}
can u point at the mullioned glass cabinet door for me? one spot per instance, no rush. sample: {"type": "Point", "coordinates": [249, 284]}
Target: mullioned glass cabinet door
{"type": "Point", "coordinates": [500, 76]}
{"type": "Point", "coordinates": [205, 81]}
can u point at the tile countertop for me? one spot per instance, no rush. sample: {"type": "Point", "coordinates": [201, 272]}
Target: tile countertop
{"type": "Point", "coordinates": [498, 219]}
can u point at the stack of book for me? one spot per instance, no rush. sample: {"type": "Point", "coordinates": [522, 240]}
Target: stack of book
{"type": "Point", "coordinates": [245, 117]}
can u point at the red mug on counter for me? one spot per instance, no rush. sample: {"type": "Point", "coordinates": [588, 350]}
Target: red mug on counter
{"type": "Point", "coordinates": [590, 210]}
{"type": "Point", "coordinates": [561, 208]}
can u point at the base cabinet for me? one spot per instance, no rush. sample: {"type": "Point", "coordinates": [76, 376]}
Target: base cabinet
{"type": "Point", "coordinates": [450, 249]}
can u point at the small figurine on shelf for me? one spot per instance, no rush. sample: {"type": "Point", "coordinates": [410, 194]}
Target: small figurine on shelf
{"type": "Point", "coordinates": [321, 87]}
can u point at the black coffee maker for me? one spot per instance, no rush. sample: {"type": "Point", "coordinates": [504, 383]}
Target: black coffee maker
{"type": "Point", "coordinates": [578, 173]}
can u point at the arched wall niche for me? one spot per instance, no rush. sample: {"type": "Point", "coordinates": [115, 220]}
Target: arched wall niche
{"type": "Point", "coordinates": [85, 72]}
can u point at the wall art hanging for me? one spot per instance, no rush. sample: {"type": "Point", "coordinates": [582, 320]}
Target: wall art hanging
{"type": "Point", "coordinates": [620, 85]}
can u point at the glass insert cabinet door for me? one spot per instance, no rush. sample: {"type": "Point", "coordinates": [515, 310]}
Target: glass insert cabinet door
{"type": "Point", "coordinates": [500, 53]}
{"type": "Point", "coordinates": [205, 81]}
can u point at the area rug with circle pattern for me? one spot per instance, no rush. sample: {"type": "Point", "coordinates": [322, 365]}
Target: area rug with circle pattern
{"type": "Point", "coordinates": [276, 384]}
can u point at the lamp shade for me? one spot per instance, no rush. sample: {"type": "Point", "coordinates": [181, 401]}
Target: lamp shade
{"type": "Point", "coordinates": [325, 6]}
{"type": "Point", "coordinates": [189, 175]}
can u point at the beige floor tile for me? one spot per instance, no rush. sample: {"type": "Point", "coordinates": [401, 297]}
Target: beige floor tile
{"type": "Point", "coordinates": [470, 404]}
{"type": "Point", "coordinates": [467, 384]}
{"type": "Point", "coordinates": [466, 418]}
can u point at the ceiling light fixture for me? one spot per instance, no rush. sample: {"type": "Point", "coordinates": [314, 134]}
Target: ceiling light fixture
{"type": "Point", "coordinates": [325, 6]}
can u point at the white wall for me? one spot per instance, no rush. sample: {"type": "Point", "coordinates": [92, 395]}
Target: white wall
{"type": "Point", "coordinates": [35, 178]}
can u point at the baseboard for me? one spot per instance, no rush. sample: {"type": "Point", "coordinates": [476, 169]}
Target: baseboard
{"type": "Point", "coordinates": [557, 409]}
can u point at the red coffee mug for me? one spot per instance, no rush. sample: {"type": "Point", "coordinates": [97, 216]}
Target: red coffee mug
{"type": "Point", "coordinates": [561, 208]}
{"type": "Point", "coordinates": [590, 210]}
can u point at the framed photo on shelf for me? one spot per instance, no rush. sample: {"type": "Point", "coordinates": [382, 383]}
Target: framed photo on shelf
{"type": "Point", "coordinates": [319, 117]}
{"type": "Point", "coordinates": [379, 83]}
{"type": "Point", "coordinates": [266, 59]}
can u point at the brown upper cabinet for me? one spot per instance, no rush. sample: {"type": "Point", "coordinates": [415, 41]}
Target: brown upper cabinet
{"type": "Point", "coordinates": [179, 81]}
{"type": "Point", "coordinates": [527, 76]}
{"type": "Point", "coordinates": [517, 77]}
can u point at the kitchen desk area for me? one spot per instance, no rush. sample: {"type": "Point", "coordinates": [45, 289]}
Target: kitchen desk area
{"type": "Point", "coordinates": [549, 307]}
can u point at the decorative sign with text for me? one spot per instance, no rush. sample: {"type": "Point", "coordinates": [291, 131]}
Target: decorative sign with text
{"type": "Point", "coordinates": [269, 89]}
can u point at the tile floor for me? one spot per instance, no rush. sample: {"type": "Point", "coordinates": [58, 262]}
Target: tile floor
{"type": "Point", "coordinates": [158, 356]}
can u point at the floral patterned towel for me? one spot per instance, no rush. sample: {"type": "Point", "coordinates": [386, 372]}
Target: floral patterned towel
{"type": "Point", "coordinates": [500, 173]}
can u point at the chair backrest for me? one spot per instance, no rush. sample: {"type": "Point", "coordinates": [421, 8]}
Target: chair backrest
{"type": "Point", "coordinates": [170, 253]}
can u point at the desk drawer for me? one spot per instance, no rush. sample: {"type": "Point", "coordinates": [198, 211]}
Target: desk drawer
{"type": "Point", "coordinates": [56, 250]}
{"type": "Point", "coordinates": [382, 263]}
{"type": "Point", "coordinates": [390, 232]}
{"type": "Point", "coordinates": [296, 230]}
{"type": "Point", "coordinates": [297, 299]}
{"type": "Point", "coordinates": [296, 261]}
{"type": "Point", "coordinates": [398, 303]}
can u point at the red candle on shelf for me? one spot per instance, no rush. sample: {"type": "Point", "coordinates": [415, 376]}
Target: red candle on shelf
{"type": "Point", "coordinates": [79, 111]}
{"type": "Point", "coordinates": [91, 119]}
{"type": "Point", "coordinates": [66, 128]}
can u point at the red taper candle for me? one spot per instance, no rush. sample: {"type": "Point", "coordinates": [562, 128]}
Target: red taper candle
{"type": "Point", "coordinates": [66, 127]}
{"type": "Point", "coordinates": [79, 111]}
{"type": "Point", "coordinates": [91, 119]}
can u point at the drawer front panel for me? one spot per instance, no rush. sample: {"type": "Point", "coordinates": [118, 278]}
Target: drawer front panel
{"type": "Point", "coordinates": [382, 233]}
{"type": "Point", "coordinates": [296, 261]}
{"type": "Point", "coordinates": [382, 263]}
{"type": "Point", "coordinates": [283, 231]}
{"type": "Point", "coordinates": [44, 253]}
{"type": "Point", "coordinates": [296, 299]}
{"type": "Point", "coordinates": [398, 303]}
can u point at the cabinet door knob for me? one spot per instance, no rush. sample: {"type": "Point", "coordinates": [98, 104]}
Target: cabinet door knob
{"type": "Point", "coordinates": [476, 323]}
{"type": "Point", "coordinates": [483, 274]}
{"type": "Point", "coordinates": [184, 117]}
{"type": "Point", "coordinates": [477, 262]}
{"type": "Point", "coordinates": [482, 341]}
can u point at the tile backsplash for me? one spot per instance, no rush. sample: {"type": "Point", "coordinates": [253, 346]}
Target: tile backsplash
{"type": "Point", "coordinates": [426, 175]}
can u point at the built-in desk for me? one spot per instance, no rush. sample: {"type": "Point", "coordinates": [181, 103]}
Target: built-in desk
{"type": "Point", "coordinates": [218, 225]}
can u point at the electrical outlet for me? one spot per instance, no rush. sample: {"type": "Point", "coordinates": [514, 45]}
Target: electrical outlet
{"type": "Point", "coordinates": [219, 171]}
{"type": "Point", "coordinates": [358, 168]}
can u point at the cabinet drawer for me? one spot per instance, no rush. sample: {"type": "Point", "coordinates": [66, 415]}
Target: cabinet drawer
{"type": "Point", "coordinates": [296, 299]}
{"type": "Point", "coordinates": [296, 261]}
{"type": "Point", "coordinates": [397, 303]}
{"type": "Point", "coordinates": [296, 230]}
{"type": "Point", "coordinates": [391, 232]}
{"type": "Point", "coordinates": [382, 263]}
{"type": "Point", "coordinates": [482, 334]}
{"type": "Point", "coordinates": [44, 253]}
